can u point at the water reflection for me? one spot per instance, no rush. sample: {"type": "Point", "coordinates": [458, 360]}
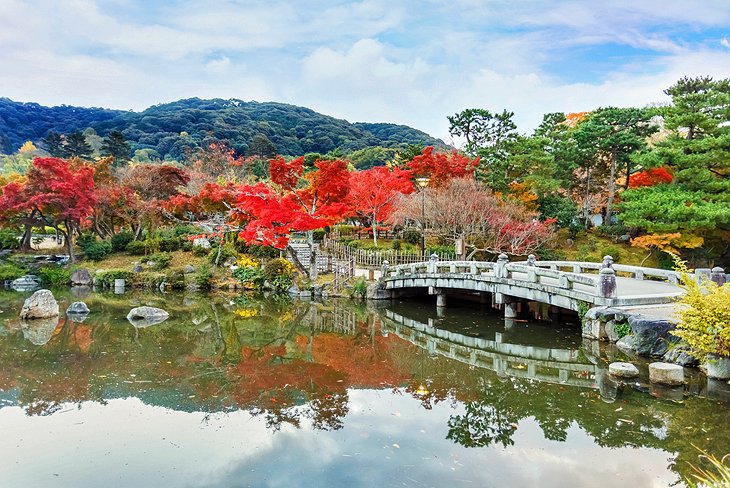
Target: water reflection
{"type": "Point", "coordinates": [299, 368]}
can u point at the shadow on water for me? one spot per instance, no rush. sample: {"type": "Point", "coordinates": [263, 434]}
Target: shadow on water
{"type": "Point", "coordinates": [296, 363]}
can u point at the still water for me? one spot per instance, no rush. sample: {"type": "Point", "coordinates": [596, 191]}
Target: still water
{"type": "Point", "coordinates": [240, 391]}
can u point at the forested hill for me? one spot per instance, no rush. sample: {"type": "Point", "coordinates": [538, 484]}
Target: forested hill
{"type": "Point", "coordinates": [171, 129]}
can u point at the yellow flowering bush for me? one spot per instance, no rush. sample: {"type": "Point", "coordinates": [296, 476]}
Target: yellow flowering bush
{"type": "Point", "coordinates": [246, 312]}
{"type": "Point", "coordinates": [247, 262]}
{"type": "Point", "coordinates": [704, 316]}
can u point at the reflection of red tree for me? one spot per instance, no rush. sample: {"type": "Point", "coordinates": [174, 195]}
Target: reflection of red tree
{"type": "Point", "coordinates": [366, 365]}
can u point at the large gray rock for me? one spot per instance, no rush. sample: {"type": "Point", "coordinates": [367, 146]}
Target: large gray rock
{"type": "Point", "coordinates": [26, 283]}
{"type": "Point", "coordinates": [77, 308]}
{"type": "Point", "coordinates": [666, 374]}
{"type": "Point", "coordinates": [137, 268]}
{"type": "Point", "coordinates": [650, 335]}
{"type": "Point", "coordinates": [40, 305]}
{"type": "Point", "coordinates": [718, 367]}
{"type": "Point", "coordinates": [141, 317]}
{"type": "Point", "coordinates": [81, 277]}
{"type": "Point", "coordinates": [188, 269]}
{"type": "Point", "coordinates": [680, 354]}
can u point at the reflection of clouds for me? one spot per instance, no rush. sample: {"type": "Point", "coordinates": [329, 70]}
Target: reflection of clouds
{"type": "Point", "coordinates": [387, 440]}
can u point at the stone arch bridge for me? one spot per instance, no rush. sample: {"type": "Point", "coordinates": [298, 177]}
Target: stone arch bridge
{"type": "Point", "coordinates": [567, 285]}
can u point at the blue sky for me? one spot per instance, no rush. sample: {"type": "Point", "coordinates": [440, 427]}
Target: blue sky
{"type": "Point", "coordinates": [406, 62]}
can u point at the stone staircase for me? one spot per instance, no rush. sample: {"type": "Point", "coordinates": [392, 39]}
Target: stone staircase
{"type": "Point", "coordinates": [302, 254]}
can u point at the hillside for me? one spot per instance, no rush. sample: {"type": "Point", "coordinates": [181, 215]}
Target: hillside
{"type": "Point", "coordinates": [172, 129]}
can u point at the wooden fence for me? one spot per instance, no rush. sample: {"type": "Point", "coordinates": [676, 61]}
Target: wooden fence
{"type": "Point", "coordinates": [374, 259]}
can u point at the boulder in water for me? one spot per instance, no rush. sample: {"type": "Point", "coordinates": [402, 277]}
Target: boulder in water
{"type": "Point", "coordinates": [40, 305]}
{"type": "Point", "coordinates": [81, 277]}
{"type": "Point", "coordinates": [141, 317]}
{"type": "Point", "coordinates": [26, 283]}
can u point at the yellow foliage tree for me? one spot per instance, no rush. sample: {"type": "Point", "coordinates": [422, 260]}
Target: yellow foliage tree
{"type": "Point", "coordinates": [27, 148]}
{"type": "Point", "coordinates": [669, 243]}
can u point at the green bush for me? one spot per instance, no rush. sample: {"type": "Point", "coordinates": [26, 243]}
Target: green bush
{"type": "Point", "coordinates": [395, 245]}
{"type": "Point", "coordinates": [278, 273]}
{"type": "Point", "coordinates": [247, 274]}
{"type": "Point", "coordinates": [54, 275]}
{"type": "Point", "coordinates": [175, 279]}
{"type": "Point", "coordinates": [161, 260]}
{"type": "Point", "coordinates": [96, 251]}
{"type": "Point", "coordinates": [85, 240]}
{"type": "Point", "coordinates": [360, 288]}
{"type": "Point", "coordinates": [120, 240]}
{"type": "Point", "coordinates": [263, 252]}
{"type": "Point", "coordinates": [200, 251]}
{"type": "Point", "coordinates": [203, 276]}
{"type": "Point", "coordinates": [169, 244]}
{"type": "Point", "coordinates": [136, 248]}
{"type": "Point", "coordinates": [412, 237]}
{"type": "Point", "coordinates": [183, 230]}
{"type": "Point", "coordinates": [10, 271]}
{"type": "Point", "coordinates": [318, 234]}
{"type": "Point", "coordinates": [442, 251]}
{"type": "Point", "coordinates": [106, 278]}
{"type": "Point", "coordinates": [9, 239]}
{"type": "Point", "coordinates": [227, 251]}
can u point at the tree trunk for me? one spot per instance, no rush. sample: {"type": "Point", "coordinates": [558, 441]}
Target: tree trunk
{"type": "Point", "coordinates": [69, 245]}
{"type": "Point", "coordinates": [611, 190]}
{"type": "Point", "coordinates": [312, 256]}
{"type": "Point", "coordinates": [586, 210]}
{"type": "Point", "coordinates": [375, 233]}
{"type": "Point", "coordinates": [25, 241]}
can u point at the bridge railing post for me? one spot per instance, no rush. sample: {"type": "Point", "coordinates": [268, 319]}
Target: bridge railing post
{"type": "Point", "coordinates": [433, 263]}
{"type": "Point", "coordinates": [500, 268]}
{"type": "Point", "coordinates": [607, 283]}
{"type": "Point", "coordinates": [718, 275]}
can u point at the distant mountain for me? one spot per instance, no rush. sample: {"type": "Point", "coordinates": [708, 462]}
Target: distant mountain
{"type": "Point", "coordinates": [173, 129]}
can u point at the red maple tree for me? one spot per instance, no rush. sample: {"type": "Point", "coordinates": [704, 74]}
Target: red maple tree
{"type": "Point", "coordinates": [650, 177]}
{"type": "Point", "coordinates": [441, 167]}
{"type": "Point", "coordinates": [374, 191]}
{"type": "Point", "coordinates": [55, 193]}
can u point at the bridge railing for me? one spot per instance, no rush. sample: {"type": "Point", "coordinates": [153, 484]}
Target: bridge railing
{"type": "Point", "coordinates": [636, 272]}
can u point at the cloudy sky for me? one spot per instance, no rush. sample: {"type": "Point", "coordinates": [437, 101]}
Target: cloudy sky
{"type": "Point", "coordinates": [409, 62]}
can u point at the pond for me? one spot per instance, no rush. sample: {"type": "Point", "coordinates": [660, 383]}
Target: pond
{"type": "Point", "coordinates": [240, 391]}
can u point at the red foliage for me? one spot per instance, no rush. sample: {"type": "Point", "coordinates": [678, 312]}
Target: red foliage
{"type": "Point", "coordinates": [650, 177]}
{"type": "Point", "coordinates": [286, 174]}
{"type": "Point", "coordinates": [60, 192]}
{"type": "Point", "coordinates": [373, 192]}
{"type": "Point", "coordinates": [271, 215]}
{"type": "Point", "coordinates": [441, 167]}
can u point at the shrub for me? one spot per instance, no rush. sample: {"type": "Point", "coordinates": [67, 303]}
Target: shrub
{"type": "Point", "coordinates": [120, 240]}
{"type": "Point", "coordinates": [169, 244]}
{"type": "Point", "coordinates": [10, 271]}
{"type": "Point", "coordinates": [278, 273]}
{"type": "Point", "coordinates": [200, 251]}
{"type": "Point", "coordinates": [412, 237]}
{"type": "Point", "coordinates": [175, 279]}
{"type": "Point", "coordinates": [704, 316]}
{"type": "Point", "coordinates": [318, 234]}
{"type": "Point", "coordinates": [54, 275]}
{"type": "Point", "coordinates": [360, 287]}
{"type": "Point", "coordinates": [136, 248]}
{"type": "Point", "coordinates": [267, 252]}
{"type": "Point", "coordinates": [184, 230]}
{"type": "Point", "coordinates": [203, 276]}
{"type": "Point", "coordinates": [227, 251]}
{"type": "Point", "coordinates": [9, 239]}
{"type": "Point", "coordinates": [106, 278]}
{"type": "Point", "coordinates": [96, 251]}
{"type": "Point", "coordinates": [85, 240]}
{"type": "Point", "coordinates": [395, 245]}
{"type": "Point", "coordinates": [161, 260]}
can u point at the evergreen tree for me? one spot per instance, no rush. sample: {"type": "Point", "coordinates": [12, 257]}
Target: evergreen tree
{"type": "Point", "coordinates": [116, 145]}
{"type": "Point", "coordinates": [76, 145]}
{"type": "Point", "coordinates": [54, 144]}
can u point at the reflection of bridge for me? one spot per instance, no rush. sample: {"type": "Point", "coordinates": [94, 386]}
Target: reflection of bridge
{"type": "Point", "coordinates": [539, 363]}
{"type": "Point", "coordinates": [563, 284]}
